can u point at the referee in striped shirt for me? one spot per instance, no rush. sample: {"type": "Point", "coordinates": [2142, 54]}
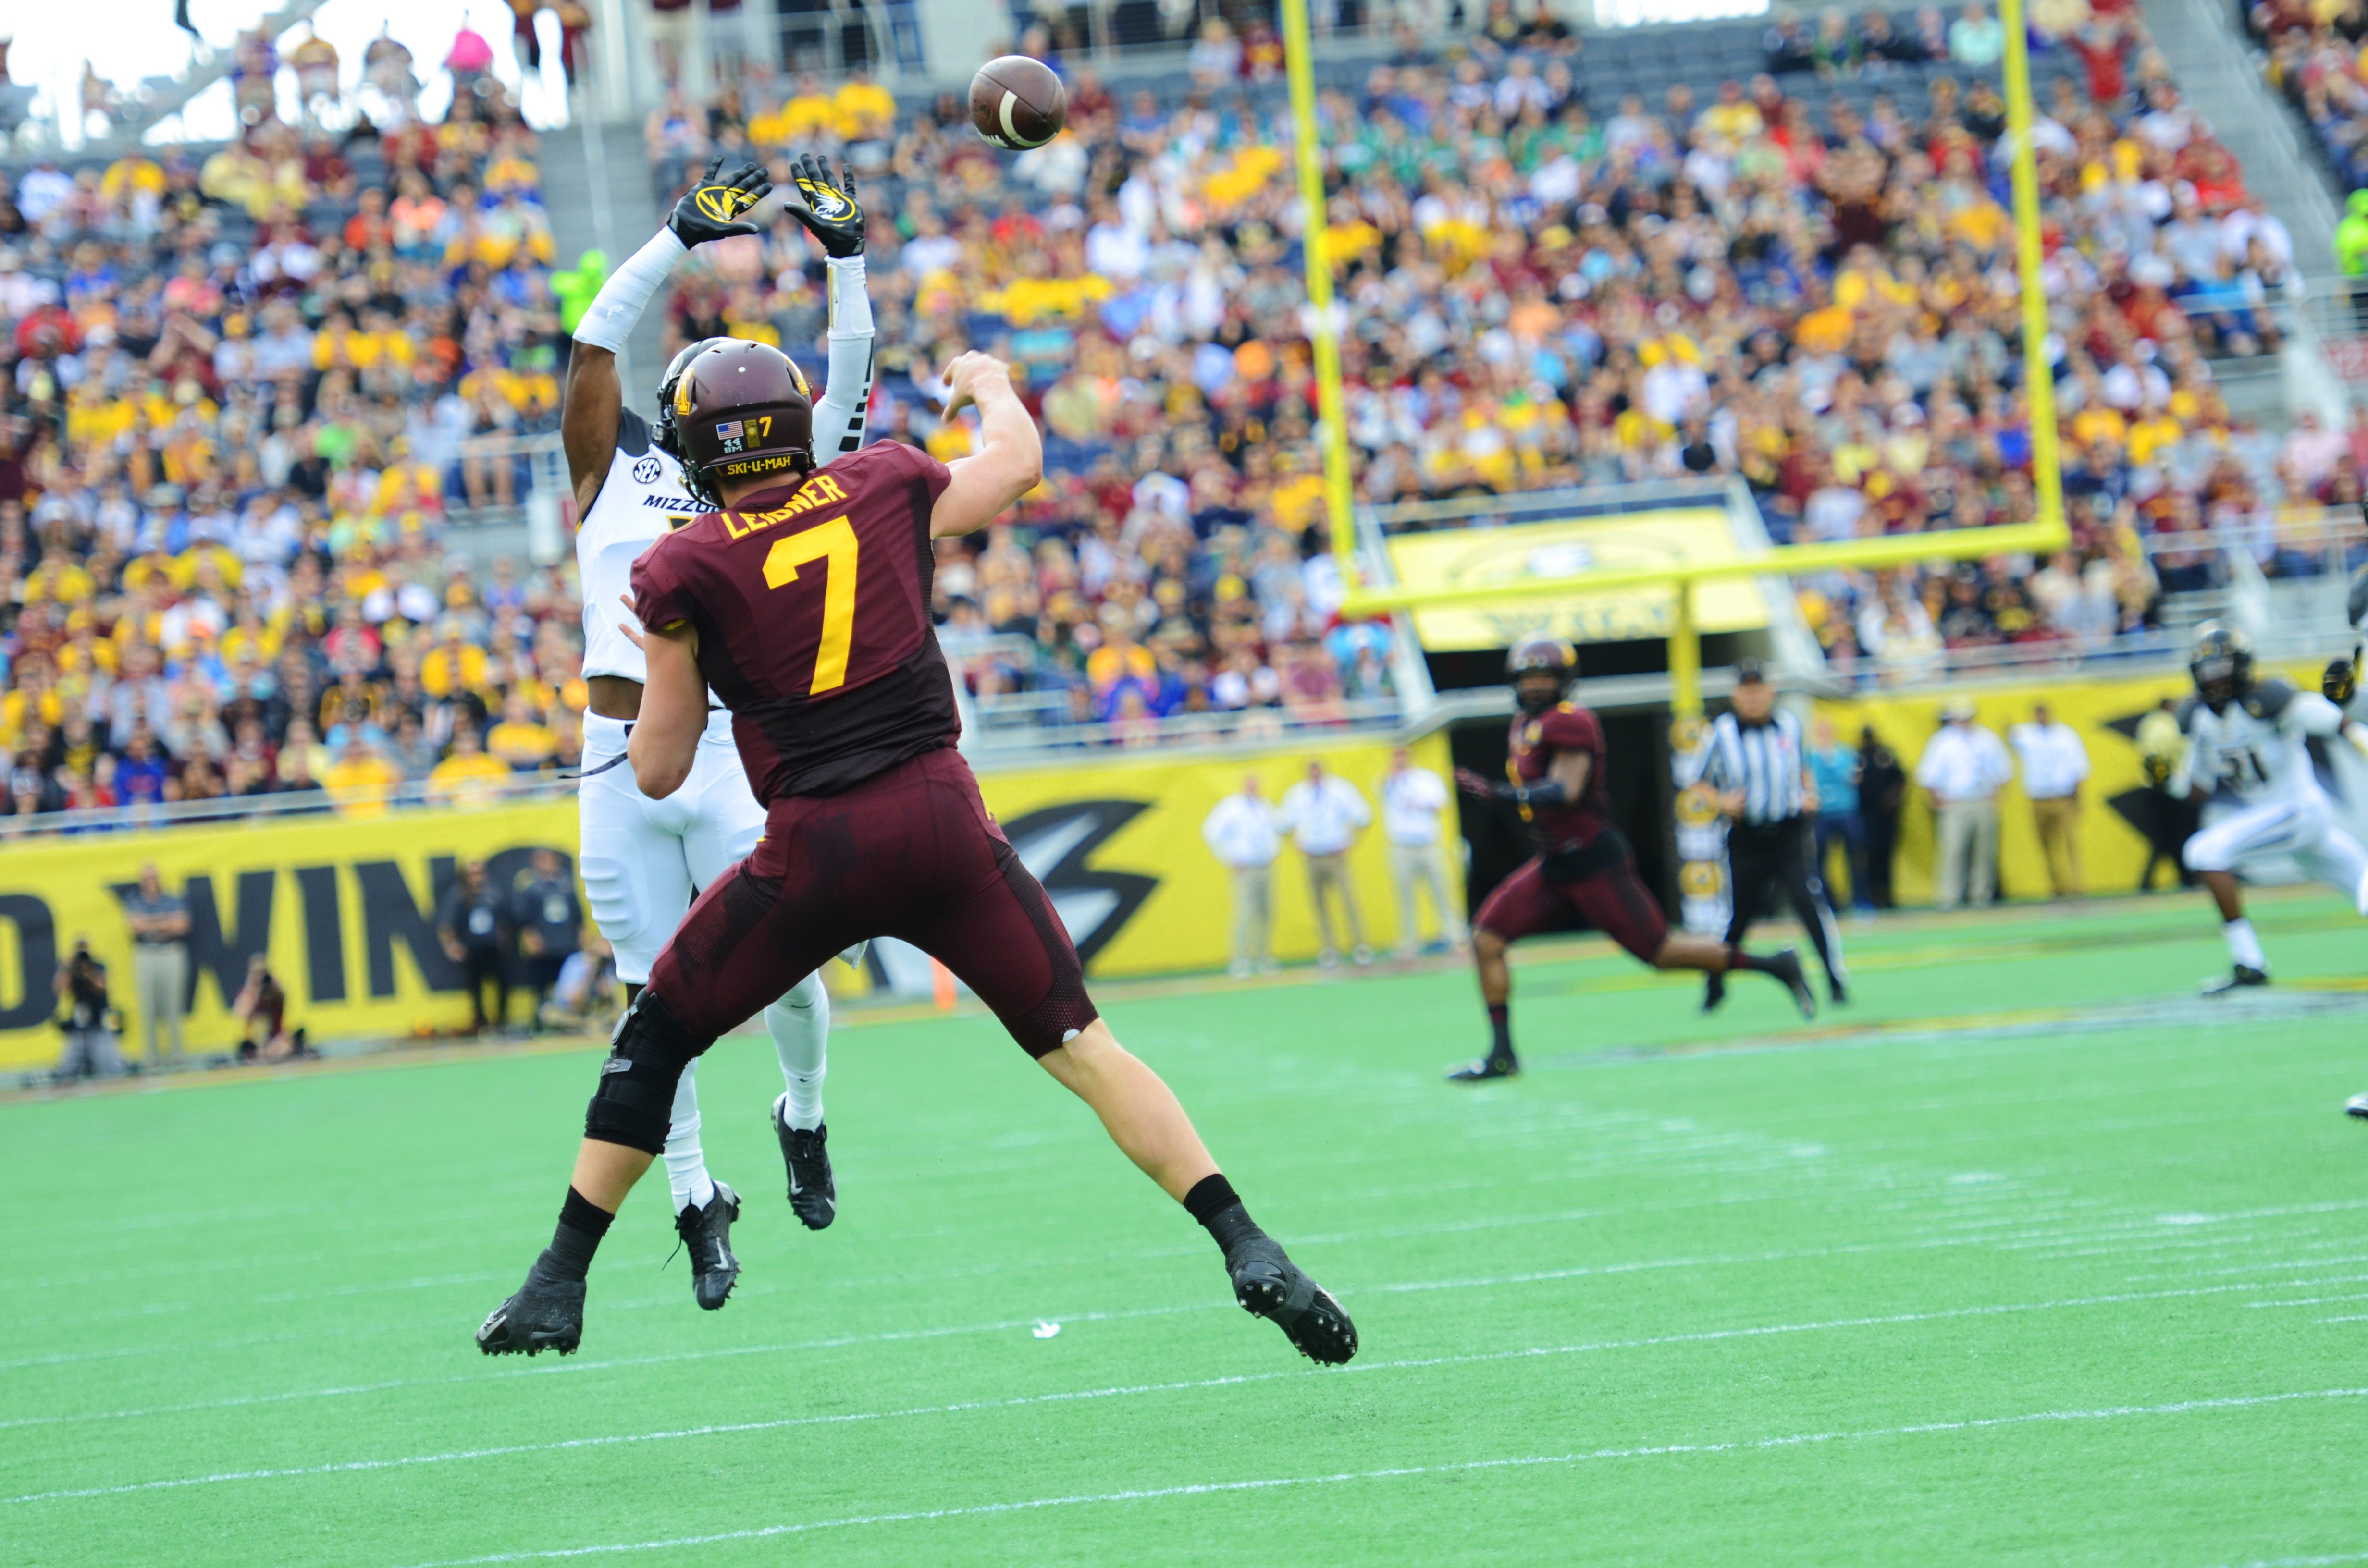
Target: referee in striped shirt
{"type": "Point", "coordinates": [1756, 765]}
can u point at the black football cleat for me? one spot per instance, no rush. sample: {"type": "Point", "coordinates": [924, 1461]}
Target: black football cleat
{"type": "Point", "coordinates": [547, 1313]}
{"type": "Point", "coordinates": [1713, 991]}
{"type": "Point", "coordinates": [814, 1195]}
{"type": "Point", "coordinates": [2357, 1106]}
{"type": "Point", "coordinates": [1488, 1067]}
{"type": "Point", "coordinates": [2236, 979]}
{"type": "Point", "coordinates": [1785, 965]}
{"type": "Point", "coordinates": [707, 1235]}
{"type": "Point", "coordinates": [1268, 1284]}
{"type": "Point", "coordinates": [1836, 993]}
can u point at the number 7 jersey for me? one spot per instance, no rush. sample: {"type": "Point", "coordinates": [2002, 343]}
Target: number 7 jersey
{"type": "Point", "coordinates": [812, 607]}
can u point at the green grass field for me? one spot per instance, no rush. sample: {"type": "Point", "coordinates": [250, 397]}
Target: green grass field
{"type": "Point", "coordinates": [2028, 1257]}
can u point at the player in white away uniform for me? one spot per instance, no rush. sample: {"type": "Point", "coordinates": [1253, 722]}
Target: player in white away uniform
{"type": "Point", "coordinates": [644, 860]}
{"type": "Point", "coordinates": [2250, 737]}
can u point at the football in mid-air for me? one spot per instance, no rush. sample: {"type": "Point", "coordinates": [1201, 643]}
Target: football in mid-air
{"type": "Point", "coordinates": [1018, 103]}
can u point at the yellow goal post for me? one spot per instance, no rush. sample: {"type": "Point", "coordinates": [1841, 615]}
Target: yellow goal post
{"type": "Point", "coordinates": [2044, 534]}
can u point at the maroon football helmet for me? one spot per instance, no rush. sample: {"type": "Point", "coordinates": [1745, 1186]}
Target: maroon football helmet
{"type": "Point", "coordinates": [733, 409]}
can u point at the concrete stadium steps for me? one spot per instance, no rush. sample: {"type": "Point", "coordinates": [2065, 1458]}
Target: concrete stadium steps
{"type": "Point", "coordinates": [573, 163]}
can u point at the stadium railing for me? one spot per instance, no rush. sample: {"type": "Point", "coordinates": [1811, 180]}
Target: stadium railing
{"type": "Point", "coordinates": [266, 810]}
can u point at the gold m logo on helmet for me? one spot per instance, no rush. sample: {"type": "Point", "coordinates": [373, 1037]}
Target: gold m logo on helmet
{"type": "Point", "coordinates": [682, 397]}
{"type": "Point", "coordinates": [722, 203]}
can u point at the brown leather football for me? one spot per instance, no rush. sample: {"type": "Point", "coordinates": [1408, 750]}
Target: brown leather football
{"type": "Point", "coordinates": [1018, 103]}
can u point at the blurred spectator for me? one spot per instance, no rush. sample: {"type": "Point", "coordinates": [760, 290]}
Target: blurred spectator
{"type": "Point", "coordinates": [2055, 765]}
{"type": "Point", "coordinates": [1962, 770]}
{"type": "Point", "coordinates": [1324, 812]}
{"type": "Point", "coordinates": [586, 993]}
{"type": "Point", "coordinates": [549, 920]}
{"type": "Point", "coordinates": [160, 964]}
{"type": "Point", "coordinates": [261, 1009]}
{"type": "Point", "coordinates": [1242, 832]}
{"type": "Point", "coordinates": [473, 922]}
{"type": "Point", "coordinates": [1835, 771]}
{"type": "Point", "coordinates": [1882, 795]}
{"type": "Point", "coordinates": [1413, 801]}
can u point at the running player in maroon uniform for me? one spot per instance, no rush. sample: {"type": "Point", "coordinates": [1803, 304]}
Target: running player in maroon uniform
{"type": "Point", "coordinates": [1583, 863]}
{"type": "Point", "coordinates": [803, 602]}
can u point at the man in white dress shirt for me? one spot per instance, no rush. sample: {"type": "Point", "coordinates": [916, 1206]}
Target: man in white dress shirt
{"type": "Point", "coordinates": [1413, 803]}
{"type": "Point", "coordinates": [1242, 832]}
{"type": "Point", "coordinates": [2055, 765]}
{"type": "Point", "coordinates": [1323, 812]}
{"type": "Point", "coordinates": [1963, 769]}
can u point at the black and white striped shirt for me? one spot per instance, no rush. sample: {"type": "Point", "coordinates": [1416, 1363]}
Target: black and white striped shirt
{"type": "Point", "coordinates": [1762, 760]}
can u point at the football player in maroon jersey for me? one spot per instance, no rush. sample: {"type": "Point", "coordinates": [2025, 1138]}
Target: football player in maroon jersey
{"type": "Point", "coordinates": [1556, 758]}
{"type": "Point", "coordinates": [803, 600]}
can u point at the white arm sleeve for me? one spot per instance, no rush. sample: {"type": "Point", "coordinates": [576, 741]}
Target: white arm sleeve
{"type": "Point", "coordinates": [845, 400]}
{"type": "Point", "coordinates": [2314, 715]}
{"type": "Point", "coordinates": [620, 302]}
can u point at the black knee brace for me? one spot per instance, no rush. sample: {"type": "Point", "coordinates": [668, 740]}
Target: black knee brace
{"type": "Point", "coordinates": [634, 1105]}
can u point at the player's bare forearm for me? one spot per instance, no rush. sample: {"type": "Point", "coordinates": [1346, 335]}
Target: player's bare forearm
{"type": "Point", "coordinates": [1010, 460]}
{"type": "Point", "coordinates": [1138, 1110]}
{"type": "Point", "coordinates": [664, 741]}
{"type": "Point", "coordinates": [1569, 769]}
{"type": "Point", "coordinates": [588, 420]}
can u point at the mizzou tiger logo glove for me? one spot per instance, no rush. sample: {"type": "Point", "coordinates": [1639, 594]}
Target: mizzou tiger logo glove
{"type": "Point", "coordinates": [828, 209]}
{"type": "Point", "coordinates": [719, 203]}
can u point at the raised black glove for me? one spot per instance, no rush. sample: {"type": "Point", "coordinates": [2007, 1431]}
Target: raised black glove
{"type": "Point", "coordinates": [2341, 679]}
{"type": "Point", "coordinates": [716, 205]}
{"type": "Point", "coordinates": [829, 210]}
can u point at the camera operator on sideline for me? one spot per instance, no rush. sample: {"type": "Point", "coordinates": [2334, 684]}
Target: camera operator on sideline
{"type": "Point", "coordinates": [88, 1024]}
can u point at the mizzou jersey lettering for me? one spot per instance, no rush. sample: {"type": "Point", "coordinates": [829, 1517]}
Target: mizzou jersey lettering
{"type": "Point", "coordinates": [811, 603]}
{"type": "Point", "coordinates": [1530, 751]}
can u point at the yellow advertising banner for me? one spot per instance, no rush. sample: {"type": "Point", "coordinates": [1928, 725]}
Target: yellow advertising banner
{"type": "Point", "coordinates": [1140, 890]}
{"type": "Point", "coordinates": [1490, 557]}
{"type": "Point", "coordinates": [2115, 803]}
{"type": "Point", "coordinates": [345, 910]}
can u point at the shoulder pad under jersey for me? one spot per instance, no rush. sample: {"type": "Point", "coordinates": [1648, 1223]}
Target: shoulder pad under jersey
{"type": "Point", "coordinates": [2268, 698]}
{"type": "Point", "coordinates": [2186, 713]}
{"type": "Point", "coordinates": [633, 432]}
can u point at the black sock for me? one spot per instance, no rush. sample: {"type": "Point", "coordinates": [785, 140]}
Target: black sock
{"type": "Point", "coordinates": [1213, 1202]}
{"type": "Point", "coordinates": [1738, 959]}
{"type": "Point", "coordinates": [582, 1223]}
{"type": "Point", "coordinates": [1501, 1027]}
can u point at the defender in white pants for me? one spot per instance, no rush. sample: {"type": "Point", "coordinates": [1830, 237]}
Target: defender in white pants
{"type": "Point", "coordinates": [2250, 738]}
{"type": "Point", "coordinates": [643, 861]}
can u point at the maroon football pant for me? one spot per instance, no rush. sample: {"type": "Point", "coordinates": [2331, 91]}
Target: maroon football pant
{"type": "Point", "coordinates": [911, 854]}
{"type": "Point", "coordinates": [1614, 901]}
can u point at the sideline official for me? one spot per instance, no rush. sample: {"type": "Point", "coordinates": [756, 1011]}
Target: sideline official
{"type": "Point", "coordinates": [1242, 832]}
{"type": "Point", "coordinates": [1754, 763]}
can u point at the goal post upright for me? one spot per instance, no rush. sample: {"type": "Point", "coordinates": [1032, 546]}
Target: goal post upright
{"type": "Point", "coordinates": [2044, 534]}
{"type": "Point", "coordinates": [1331, 405]}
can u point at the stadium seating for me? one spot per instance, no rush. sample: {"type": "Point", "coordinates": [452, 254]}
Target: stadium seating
{"type": "Point", "coordinates": [250, 384]}
{"type": "Point", "coordinates": [1158, 322]}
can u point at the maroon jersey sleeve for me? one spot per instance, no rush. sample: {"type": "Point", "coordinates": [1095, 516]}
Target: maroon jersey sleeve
{"type": "Point", "coordinates": [660, 598]}
{"type": "Point", "coordinates": [1571, 729]}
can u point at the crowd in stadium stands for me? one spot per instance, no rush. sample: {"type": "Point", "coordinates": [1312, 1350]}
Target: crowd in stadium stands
{"type": "Point", "coordinates": [244, 388]}
{"type": "Point", "coordinates": [1773, 278]}
{"type": "Point", "coordinates": [241, 390]}
{"type": "Point", "coordinates": [2314, 58]}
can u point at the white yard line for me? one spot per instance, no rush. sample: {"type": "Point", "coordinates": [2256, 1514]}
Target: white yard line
{"type": "Point", "coordinates": [1216, 1488]}
{"type": "Point", "coordinates": [1703, 1336]}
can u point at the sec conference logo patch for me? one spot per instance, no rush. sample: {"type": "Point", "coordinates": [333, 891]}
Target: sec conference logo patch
{"type": "Point", "coordinates": [646, 472]}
